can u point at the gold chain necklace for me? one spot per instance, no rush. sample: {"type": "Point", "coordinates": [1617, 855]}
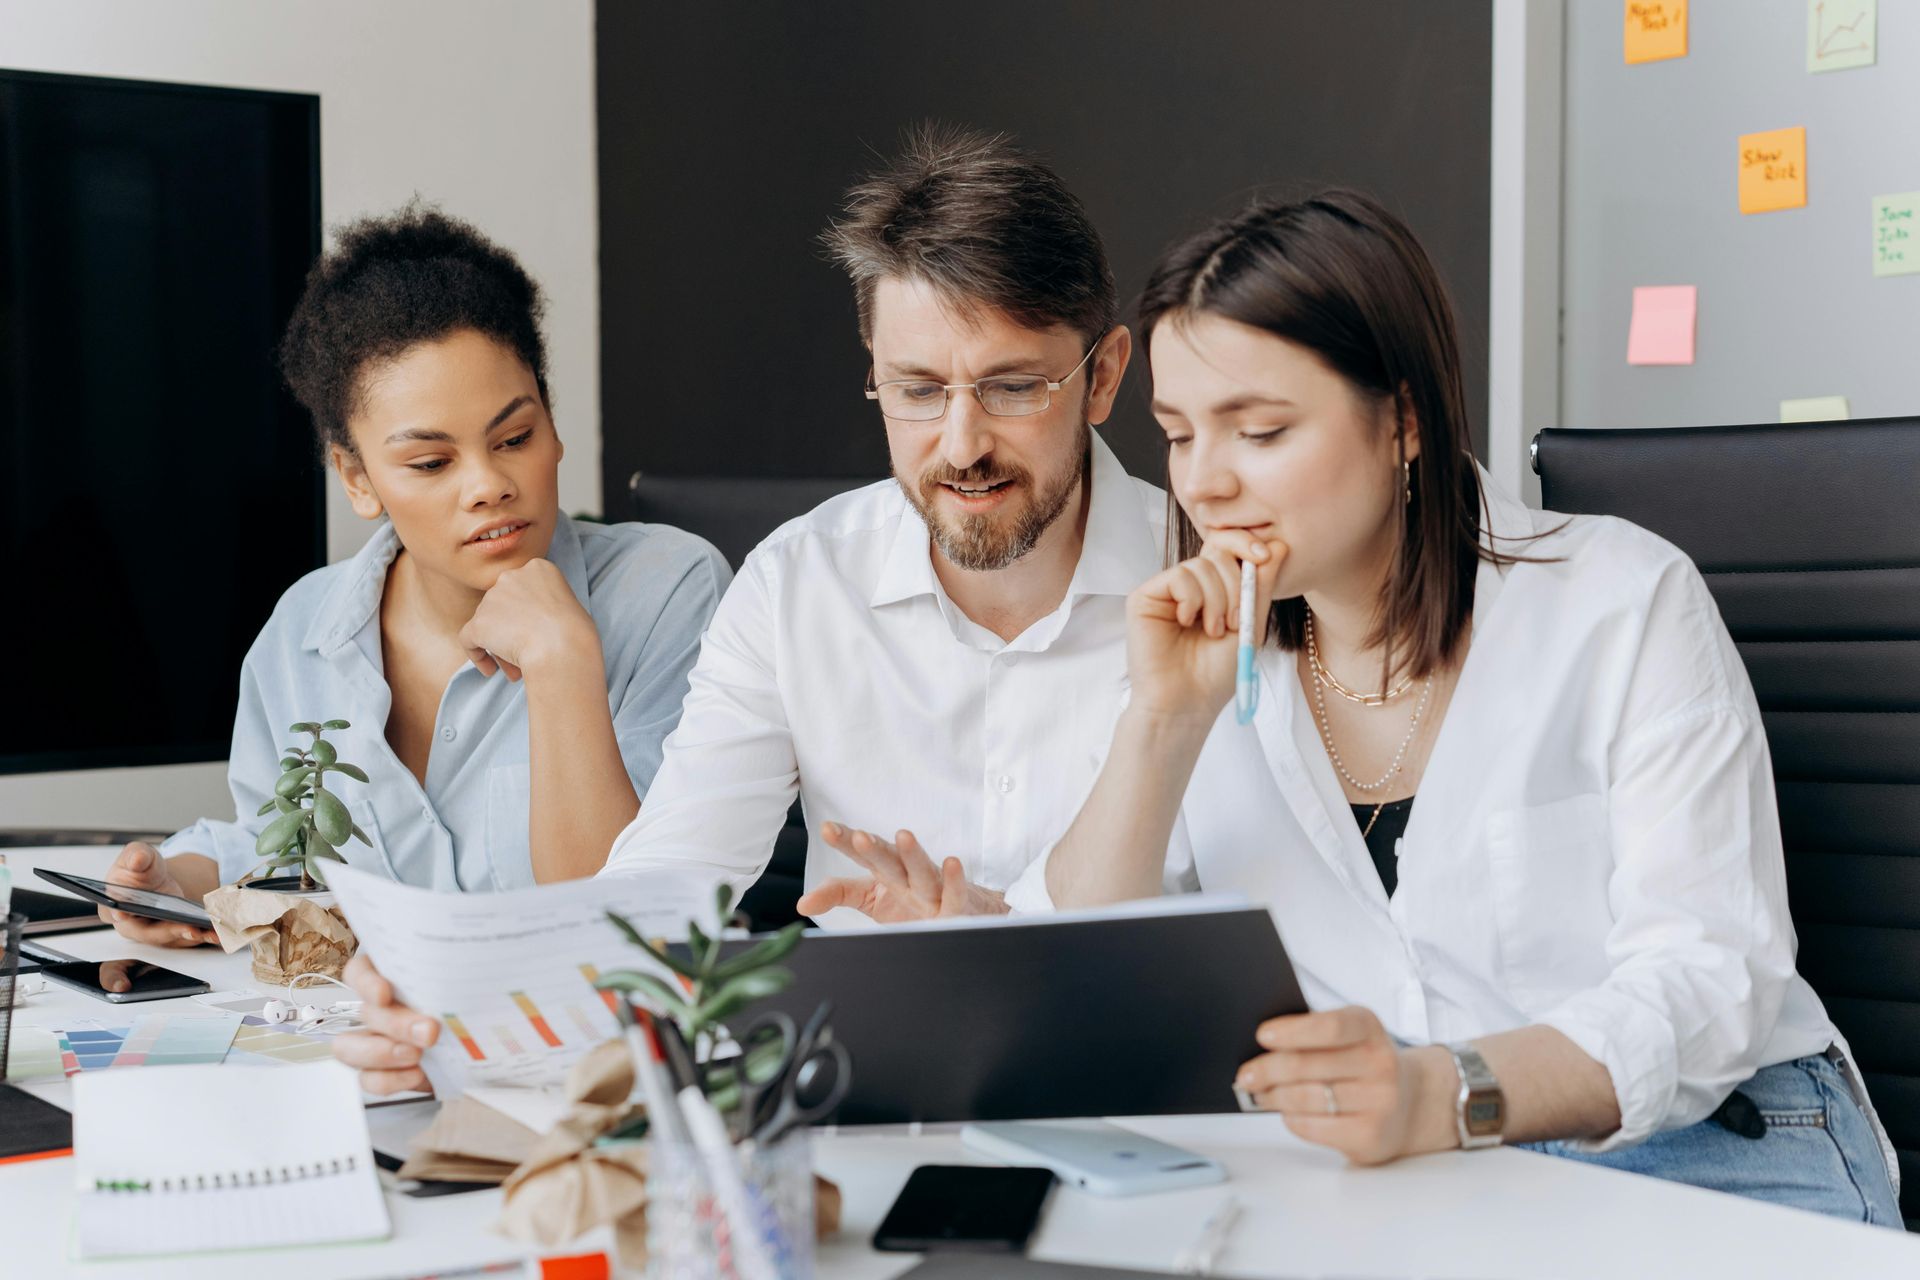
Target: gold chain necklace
{"type": "Point", "coordinates": [1326, 677]}
{"type": "Point", "coordinates": [1333, 752]}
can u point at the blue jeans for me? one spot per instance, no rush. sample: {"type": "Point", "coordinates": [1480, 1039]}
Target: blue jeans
{"type": "Point", "coordinates": [1819, 1151]}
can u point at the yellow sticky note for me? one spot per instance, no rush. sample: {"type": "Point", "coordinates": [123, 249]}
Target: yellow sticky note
{"type": "Point", "coordinates": [1814, 409]}
{"type": "Point", "coordinates": [1773, 170]}
{"type": "Point", "coordinates": [1656, 29]}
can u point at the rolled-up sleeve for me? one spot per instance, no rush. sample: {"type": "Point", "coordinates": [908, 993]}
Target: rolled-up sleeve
{"type": "Point", "coordinates": [1702, 947]}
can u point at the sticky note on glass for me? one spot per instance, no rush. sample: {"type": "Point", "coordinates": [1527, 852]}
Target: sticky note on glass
{"type": "Point", "coordinates": [1662, 327]}
{"type": "Point", "coordinates": [1896, 234]}
{"type": "Point", "coordinates": [1814, 409]}
{"type": "Point", "coordinates": [1840, 34]}
{"type": "Point", "coordinates": [1773, 170]}
{"type": "Point", "coordinates": [1656, 30]}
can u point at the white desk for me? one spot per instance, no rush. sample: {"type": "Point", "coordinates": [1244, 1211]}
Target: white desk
{"type": "Point", "coordinates": [1486, 1214]}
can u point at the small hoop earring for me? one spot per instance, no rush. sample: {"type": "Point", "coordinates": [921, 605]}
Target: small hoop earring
{"type": "Point", "coordinates": [1406, 475]}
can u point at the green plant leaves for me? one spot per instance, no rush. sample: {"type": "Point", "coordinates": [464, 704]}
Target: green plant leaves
{"type": "Point", "coordinates": [353, 771]}
{"type": "Point", "coordinates": [278, 834]}
{"type": "Point", "coordinates": [336, 724]}
{"type": "Point", "coordinates": [361, 836]}
{"type": "Point", "coordinates": [304, 726]}
{"type": "Point", "coordinates": [291, 781]}
{"type": "Point", "coordinates": [655, 991]}
{"type": "Point", "coordinates": [268, 807]}
{"type": "Point", "coordinates": [685, 968]}
{"type": "Point", "coordinates": [330, 818]}
{"type": "Point", "coordinates": [323, 752]}
{"type": "Point", "coordinates": [735, 994]}
{"type": "Point", "coordinates": [764, 953]}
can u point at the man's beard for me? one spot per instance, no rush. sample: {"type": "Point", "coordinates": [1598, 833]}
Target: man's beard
{"type": "Point", "coordinates": [996, 540]}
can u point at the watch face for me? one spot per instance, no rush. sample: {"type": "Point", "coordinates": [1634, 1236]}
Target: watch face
{"type": "Point", "coordinates": [1484, 1114]}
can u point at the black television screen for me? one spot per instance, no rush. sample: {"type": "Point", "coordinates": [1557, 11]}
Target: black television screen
{"type": "Point", "coordinates": [159, 487]}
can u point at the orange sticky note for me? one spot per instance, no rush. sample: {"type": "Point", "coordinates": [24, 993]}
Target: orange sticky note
{"type": "Point", "coordinates": [1662, 327]}
{"type": "Point", "coordinates": [1773, 170]}
{"type": "Point", "coordinates": [1656, 29]}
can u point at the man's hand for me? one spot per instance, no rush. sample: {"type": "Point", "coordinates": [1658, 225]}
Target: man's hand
{"type": "Point", "coordinates": [903, 883]}
{"type": "Point", "coordinates": [1339, 1081]}
{"type": "Point", "coordinates": [387, 1050]}
{"type": "Point", "coordinates": [140, 866]}
{"type": "Point", "coordinates": [530, 617]}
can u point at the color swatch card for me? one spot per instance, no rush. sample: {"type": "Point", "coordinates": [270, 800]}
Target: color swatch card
{"type": "Point", "coordinates": [154, 1040]}
{"type": "Point", "coordinates": [1656, 30]}
{"type": "Point", "coordinates": [1662, 328]}
{"type": "Point", "coordinates": [1896, 234]}
{"type": "Point", "coordinates": [1840, 34]}
{"type": "Point", "coordinates": [1773, 170]}
{"type": "Point", "coordinates": [258, 1042]}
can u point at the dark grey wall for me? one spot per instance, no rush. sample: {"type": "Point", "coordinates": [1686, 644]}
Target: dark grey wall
{"type": "Point", "coordinates": [728, 132]}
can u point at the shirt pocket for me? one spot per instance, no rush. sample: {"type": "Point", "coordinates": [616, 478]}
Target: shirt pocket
{"type": "Point", "coordinates": [371, 856]}
{"type": "Point", "coordinates": [508, 852]}
{"type": "Point", "coordinates": [1549, 866]}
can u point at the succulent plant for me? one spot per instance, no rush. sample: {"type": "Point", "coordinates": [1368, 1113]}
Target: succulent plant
{"type": "Point", "coordinates": [312, 822]}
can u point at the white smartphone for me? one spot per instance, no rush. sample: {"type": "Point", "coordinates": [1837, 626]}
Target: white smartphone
{"type": "Point", "coordinates": [1099, 1158]}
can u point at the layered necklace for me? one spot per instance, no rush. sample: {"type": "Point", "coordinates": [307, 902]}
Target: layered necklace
{"type": "Point", "coordinates": [1323, 680]}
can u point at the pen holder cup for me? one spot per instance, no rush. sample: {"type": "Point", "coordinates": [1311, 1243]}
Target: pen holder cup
{"type": "Point", "coordinates": [693, 1230]}
{"type": "Point", "coordinates": [10, 930]}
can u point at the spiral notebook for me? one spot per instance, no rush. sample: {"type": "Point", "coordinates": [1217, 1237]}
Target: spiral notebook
{"type": "Point", "coordinates": [195, 1159]}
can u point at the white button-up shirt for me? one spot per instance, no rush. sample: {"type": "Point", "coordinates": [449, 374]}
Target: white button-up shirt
{"type": "Point", "coordinates": [1594, 845]}
{"type": "Point", "coordinates": [837, 667]}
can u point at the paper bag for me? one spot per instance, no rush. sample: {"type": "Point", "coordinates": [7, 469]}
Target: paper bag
{"type": "Point", "coordinates": [289, 934]}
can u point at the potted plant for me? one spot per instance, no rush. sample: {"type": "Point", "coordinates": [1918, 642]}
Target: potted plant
{"type": "Point", "coordinates": [312, 822]}
{"type": "Point", "coordinates": [288, 919]}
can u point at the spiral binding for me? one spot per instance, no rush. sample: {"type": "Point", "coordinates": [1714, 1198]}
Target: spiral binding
{"type": "Point", "coordinates": [232, 1181]}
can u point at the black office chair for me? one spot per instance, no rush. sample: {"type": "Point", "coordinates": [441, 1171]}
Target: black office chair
{"type": "Point", "coordinates": [1809, 538]}
{"type": "Point", "coordinates": [735, 513]}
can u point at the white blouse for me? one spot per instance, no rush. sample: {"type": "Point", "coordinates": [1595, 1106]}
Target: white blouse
{"type": "Point", "coordinates": [1594, 845]}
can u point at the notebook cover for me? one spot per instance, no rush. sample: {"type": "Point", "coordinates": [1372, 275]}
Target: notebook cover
{"type": "Point", "coordinates": [31, 1129]}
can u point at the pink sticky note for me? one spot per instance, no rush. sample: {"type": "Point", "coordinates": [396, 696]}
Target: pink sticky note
{"type": "Point", "coordinates": [1662, 329]}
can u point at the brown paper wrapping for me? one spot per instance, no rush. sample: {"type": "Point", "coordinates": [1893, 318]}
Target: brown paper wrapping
{"type": "Point", "coordinates": [568, 1186]}
{"type": "Point", "coordinates": [469, 1141]}
{"type": "Point", "coordinates": [289, 934]}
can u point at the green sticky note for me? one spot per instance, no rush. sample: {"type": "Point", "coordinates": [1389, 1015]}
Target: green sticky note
{"type": "Point", "coordinates": [1814, 409]}
{"type": "Point", "coordinates": [1896, 234]}
{"type": "Point", "coordinates": [1840, 34]}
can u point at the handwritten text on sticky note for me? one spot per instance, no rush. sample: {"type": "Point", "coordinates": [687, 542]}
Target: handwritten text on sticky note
{"type": "Point", "coordinates": [1656, 29]}
{"type": "Point", "coordinates": [1840, 34]}
{"type": "Point", "coordinates": [1662, 328]}
{"type": "Point", "coordinates": [1896, 234]}
{"type": "Point", "coordinates": [1773, 170]}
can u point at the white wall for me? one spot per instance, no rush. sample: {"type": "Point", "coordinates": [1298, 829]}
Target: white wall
{"type": "Point", "coordinates": [485, 107]}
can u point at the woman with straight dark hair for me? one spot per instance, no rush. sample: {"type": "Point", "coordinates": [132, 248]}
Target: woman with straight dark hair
{"type": "Point", "coordinates": [1504, 787]}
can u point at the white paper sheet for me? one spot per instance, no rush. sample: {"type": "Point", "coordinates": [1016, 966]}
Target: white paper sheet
{"type": "Point", "coordinates": [510, 975]}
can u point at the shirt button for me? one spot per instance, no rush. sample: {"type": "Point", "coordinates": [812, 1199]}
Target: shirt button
{"type": "Point", "coordinates": [1004, 783]}
{"type": "Point", "coordinates": [426, 811]}
{"type": "Point", "coordinates": [449, 733]}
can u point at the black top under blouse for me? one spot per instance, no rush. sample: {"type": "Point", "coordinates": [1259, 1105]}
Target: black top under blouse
{"type": "Point", "coordinates": [1386, 833]}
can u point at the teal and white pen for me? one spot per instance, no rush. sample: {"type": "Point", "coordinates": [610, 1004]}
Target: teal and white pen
{"type": "Point", "coordinates": [1246, 687]}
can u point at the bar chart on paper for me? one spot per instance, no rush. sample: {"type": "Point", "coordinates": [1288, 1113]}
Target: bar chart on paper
{"type": "Point", "coordinates": [511, 975]}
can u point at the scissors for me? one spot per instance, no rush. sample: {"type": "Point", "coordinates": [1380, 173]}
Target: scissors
{"type": "Point", "coordinates": [810, 1077]}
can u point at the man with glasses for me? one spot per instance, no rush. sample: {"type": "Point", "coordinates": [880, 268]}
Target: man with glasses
{"type": "Point", "coordinates": [941, 651]}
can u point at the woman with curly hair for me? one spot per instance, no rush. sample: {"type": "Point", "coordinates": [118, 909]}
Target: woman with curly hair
{"type": "Point", "coordinates": [508, 674]}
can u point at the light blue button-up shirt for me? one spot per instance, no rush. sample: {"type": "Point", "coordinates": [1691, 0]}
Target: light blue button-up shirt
{"type": "Point", "coordinates": [650, 590]}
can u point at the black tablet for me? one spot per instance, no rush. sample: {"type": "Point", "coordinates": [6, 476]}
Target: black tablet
{"type": "Point", "coordinates": [135, 902]}
{"type": "Point", "coordinates": [1042, 1017]}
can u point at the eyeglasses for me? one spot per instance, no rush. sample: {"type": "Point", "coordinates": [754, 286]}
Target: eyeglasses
{"type": "Point", "coordinates": [1005, 395]}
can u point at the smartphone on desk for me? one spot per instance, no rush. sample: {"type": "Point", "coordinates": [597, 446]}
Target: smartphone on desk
{"type": "Point", "coordinates": [122, 981]}
{"type": "Point", "coordinates": [971, 1208]}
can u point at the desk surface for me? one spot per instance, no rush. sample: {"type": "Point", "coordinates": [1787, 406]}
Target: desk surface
{"type": "Point", "coordinates": [1484, 1214]}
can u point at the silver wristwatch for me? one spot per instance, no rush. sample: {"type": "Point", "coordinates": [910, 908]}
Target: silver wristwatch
{"type": "Point", "coordinates": [1480, 1110]}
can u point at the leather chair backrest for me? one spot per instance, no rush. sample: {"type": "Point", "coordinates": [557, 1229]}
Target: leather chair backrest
{"type": "Point", "coordinates": [1809, 538]}
{"type": "Point", "coordinates": [734, 513]}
